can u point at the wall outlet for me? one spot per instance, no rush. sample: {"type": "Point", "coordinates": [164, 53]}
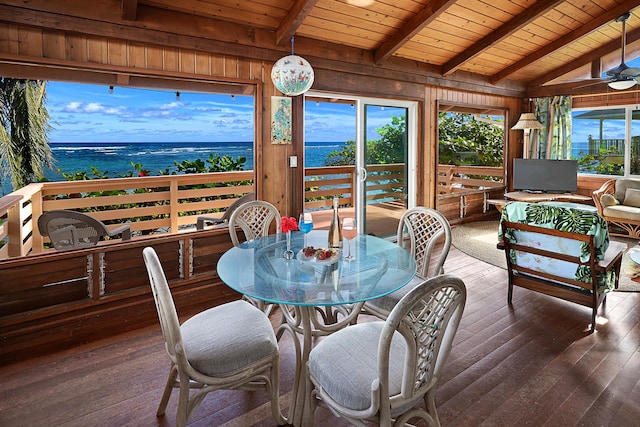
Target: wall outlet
{"type": "Point", "coordinates": [293, 161]}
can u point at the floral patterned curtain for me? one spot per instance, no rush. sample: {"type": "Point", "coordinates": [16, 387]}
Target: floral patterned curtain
{"type": "Point", "coordinates": [555, 139]}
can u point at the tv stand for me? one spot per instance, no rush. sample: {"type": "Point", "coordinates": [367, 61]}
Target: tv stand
{"type": "Point", "coordinates": [529, 197]}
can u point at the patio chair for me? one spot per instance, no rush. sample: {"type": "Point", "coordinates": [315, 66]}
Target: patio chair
{"type": "Point", "coordinates": [228, 347]}
{"type": "Point", "coordinates": [74, 230]}
{"type": "Point", "coordinates": [223, 220]}
{"type": "Point", "coordinates": [255, 219]}
{"type": "Point", "coordinates": [426, 234]}
{"type": "Point", "coordinates": [379, 371]}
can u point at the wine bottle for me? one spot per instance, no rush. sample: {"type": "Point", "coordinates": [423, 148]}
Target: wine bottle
{"type": "Point", "coordinates": [335, 233]}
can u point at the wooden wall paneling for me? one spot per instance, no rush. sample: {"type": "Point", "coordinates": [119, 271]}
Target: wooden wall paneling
{"type": "Point", "coordinates": [217, 66]}
{"type": "Point", "coordinates": [136, 55]}
{"type": "Point", "coordinates": [30, 42]}
{"type": "Point", "coordinates": [117, 52]}
{"type": "Point", "coordinates": [76, 48]}
{"type": "Point", "coordinates": [54, 44]}
{"type": "Point", "coordinates": [244, 68]}
{"type": "Point", "coordinates": [97, 50]}
{"type": "Point", "coordinates": [154, 58]}
{"type": "Point", "coordinates": [171, 59]}
{"type": "Point", "coordinates": [203, 63]}
{"type": "Point", "coordinates": [257, 70]}
{"type": "Point", "coordinates": [186, 61]}
{"type": "Point", "coordinates": [9, 37]}
{"type": "Point", "coordinates": [230, 67]}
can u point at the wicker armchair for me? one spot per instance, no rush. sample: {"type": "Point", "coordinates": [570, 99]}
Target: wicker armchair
{"type": "Point", "coordinates": [618, 202]}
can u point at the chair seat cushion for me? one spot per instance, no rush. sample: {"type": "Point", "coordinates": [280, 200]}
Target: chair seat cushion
{"type": "Point", "coordinates": [622, 212]}
{"type": "Point", "coordinates": [346, 363]}
{"type": "Point", "coordinates": [225, 339]}
{"type": "Point", "coordinates": [387, 302]}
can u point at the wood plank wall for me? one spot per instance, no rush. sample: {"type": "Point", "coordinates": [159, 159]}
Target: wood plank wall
{"type": "Point", "coordinates": [31, 52]}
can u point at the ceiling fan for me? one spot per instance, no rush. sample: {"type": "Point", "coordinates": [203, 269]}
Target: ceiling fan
{"type": "Point", "coordinates": [621, 77]}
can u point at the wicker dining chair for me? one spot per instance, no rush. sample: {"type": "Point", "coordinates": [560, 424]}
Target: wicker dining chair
{"type": "Point", "coordinates": [380, 371]}
{"type": "Point", "coordinates": [74, 230]}
{"type": "Point", "coordinates": [228, 347]}
{"type": "Point", "coordinates": [255, 219]}
{"type": "Point", "coordinates": [426, 234]}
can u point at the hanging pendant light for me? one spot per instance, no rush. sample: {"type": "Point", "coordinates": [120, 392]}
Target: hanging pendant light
{"type": "Point", "coordinates": [292, 75]}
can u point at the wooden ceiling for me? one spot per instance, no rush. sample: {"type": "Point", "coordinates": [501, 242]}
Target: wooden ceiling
{"type": "Point", "coordinates": [530, 43]}
{"type": "Point", "coordinates": [533, 42]}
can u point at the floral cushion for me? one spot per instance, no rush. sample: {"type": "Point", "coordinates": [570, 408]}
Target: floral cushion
{"type": "Point", "coordinates": [556, 216]}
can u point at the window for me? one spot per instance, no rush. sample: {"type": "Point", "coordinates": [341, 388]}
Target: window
{"type": "Point", "coordinates": [607, 141]}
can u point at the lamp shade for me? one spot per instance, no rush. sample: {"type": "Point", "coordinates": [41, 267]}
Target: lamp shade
{"type": "Point", "coordinates": [528, 121]}
{"type": "Point", "coordinates": [626, 83]}
{"type": "Point", "coordinates": [292, 75]}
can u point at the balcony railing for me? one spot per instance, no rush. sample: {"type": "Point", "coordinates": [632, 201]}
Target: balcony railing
{"type": "Point", "coordinates": [170, 204]}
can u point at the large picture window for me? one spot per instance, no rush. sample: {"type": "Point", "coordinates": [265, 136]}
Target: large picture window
{"type": "Point", "coordinates": [606, 141]}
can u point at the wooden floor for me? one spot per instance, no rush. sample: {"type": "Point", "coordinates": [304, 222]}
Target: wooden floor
{"type": "Point", "coordinates": [533, 364]}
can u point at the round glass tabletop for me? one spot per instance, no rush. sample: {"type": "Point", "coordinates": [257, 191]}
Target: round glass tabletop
{"type": "Point", "coordinates": [258, 269]}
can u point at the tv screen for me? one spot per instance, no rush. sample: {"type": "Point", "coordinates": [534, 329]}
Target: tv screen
{"type": "Point", "coordinates": [551, 176]}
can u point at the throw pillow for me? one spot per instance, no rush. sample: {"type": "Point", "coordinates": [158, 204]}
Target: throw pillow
{"type": "Point", "coordinates": [608, 200]}
{"type": "Point", "coordinates": [632, 197]}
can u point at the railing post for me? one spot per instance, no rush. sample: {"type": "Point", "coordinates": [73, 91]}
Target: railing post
{"type": "Point", "coordinates": [173, 205]}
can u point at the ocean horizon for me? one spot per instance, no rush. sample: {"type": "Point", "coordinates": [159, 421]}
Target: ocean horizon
{"type": "Point", "coordinates": [114, 158]}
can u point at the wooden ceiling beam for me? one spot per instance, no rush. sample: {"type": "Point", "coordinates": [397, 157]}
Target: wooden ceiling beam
{"type": "Point", "coordinates": [588, 58]}
{"type": "Point", "coordinates": [413, 27]}
{"type": "Point", "coordinates": [521, 20]}
{"type": "Point", "coordinates": [583, 30]}
{"type": "Point", "coordinates": [129, 9]}
{"type": "Point", "coordinates": [293, 20]}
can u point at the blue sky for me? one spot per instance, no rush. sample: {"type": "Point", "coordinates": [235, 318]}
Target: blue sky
{"type": "Point", "coordinates": [89, 113]}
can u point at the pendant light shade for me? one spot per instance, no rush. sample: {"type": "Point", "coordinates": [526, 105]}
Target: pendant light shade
{"type": "Point", "coordinates": [292, 75]}
{"type": "Point", "coordinates": [622, 84]}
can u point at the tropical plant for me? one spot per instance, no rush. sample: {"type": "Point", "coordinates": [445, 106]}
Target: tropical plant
{"type": "Point", "coordinates": [24, 134]}
{"type": "Point", "coordinates": [463, 139]}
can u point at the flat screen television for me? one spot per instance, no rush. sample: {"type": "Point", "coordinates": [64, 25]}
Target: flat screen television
{"type": "Point", "coordinates": [548, 176]}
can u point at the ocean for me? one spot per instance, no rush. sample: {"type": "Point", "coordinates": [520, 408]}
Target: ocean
{"type": "Point", "coordinates": [114, 159]}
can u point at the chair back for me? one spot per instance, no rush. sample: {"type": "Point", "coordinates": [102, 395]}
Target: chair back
{"type": "Point", "coordinates": [73, 230]}
{"type": "Point", "coordinates": [420, 231]}
{"type": "Point", "coordinates": [165, 306]}
{"type": "Point", "coordinates": [224, 219]}
{"type": "Point", "coordinates": [427, 318]}
{"type": "Point", "coordinates": [255, 219]}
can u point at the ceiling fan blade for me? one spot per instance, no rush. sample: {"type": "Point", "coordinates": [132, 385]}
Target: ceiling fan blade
{"type": "Point", "coordinates": [630, 72]}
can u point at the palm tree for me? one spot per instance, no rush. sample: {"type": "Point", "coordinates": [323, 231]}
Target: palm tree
{"type": "Point", "coordinates": [24, 141]}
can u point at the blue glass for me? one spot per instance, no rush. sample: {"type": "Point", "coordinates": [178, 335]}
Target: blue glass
{"type": "Point", "coordinates": [305, 226]}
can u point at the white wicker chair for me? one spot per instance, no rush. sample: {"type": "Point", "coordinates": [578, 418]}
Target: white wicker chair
{"type": "Point", "coordinates": [255, 219]}
{"type": "Point", "coordinates": [228, 347]}
{"type": "Point", "coordinates": [426, 234]}
{"type": "Point", "coordinates": [379, 371]}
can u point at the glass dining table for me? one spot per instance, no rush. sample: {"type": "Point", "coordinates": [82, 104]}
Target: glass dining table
{"type": "Point", "coordinates": [317, 297]}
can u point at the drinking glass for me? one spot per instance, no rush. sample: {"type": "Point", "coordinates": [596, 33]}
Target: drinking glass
{"type": "Point", "coordinates": [305, 224]}
{"type": "Point", "coordinates": [349, 232]}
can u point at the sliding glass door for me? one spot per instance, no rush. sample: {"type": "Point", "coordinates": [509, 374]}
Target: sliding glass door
{"type": "Point", "coordinates": [371, 144]}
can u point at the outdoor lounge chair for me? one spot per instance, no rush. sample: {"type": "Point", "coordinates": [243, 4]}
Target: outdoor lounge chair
{"type": "Point", "coordinates": [223, 220]}
{"type": "Point", "coordinates": [75, 230]}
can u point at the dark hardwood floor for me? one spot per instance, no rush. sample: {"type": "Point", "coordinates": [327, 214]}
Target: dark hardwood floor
{"type": "Point", "coordinates": [530, 364]}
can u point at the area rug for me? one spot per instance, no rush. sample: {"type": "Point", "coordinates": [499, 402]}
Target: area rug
{"type": "Point", "coordinates": [479, 240]}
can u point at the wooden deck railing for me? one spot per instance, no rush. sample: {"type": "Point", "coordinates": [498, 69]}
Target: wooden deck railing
{"type": "Point", "coordinates": [462, 191]}
{"type": "Point", "coordinates": [171, 204]}
{"type": "Point", "coordinates": [148, 204]}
